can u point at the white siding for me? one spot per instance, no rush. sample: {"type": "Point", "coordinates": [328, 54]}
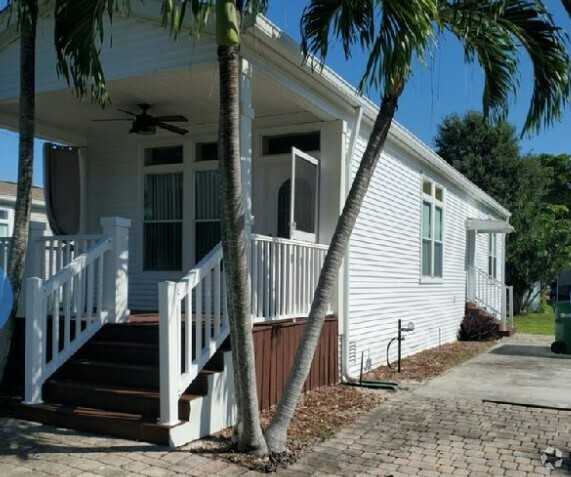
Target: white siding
{"type": "Point", "coordinates": [114, 188]}
{"type": "Point", "coordinates": [385, 262]}
{"type": "Point", "coordinates": [136, 50]}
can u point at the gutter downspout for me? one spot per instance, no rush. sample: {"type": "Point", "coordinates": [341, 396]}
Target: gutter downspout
{"type": "Point", "coordinates": [348, 158]}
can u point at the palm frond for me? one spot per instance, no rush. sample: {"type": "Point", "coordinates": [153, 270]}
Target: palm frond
{"type": "Point", "coordinates": [390, 31]}
{"type": "Point", "coordinates": [567, 5]}
{"type": "Point", "coordinates": [79, 34]}
{"type": "Point", "coordinates": [495, 33]}
{"type": "Point", "coordinates": [174, 13]}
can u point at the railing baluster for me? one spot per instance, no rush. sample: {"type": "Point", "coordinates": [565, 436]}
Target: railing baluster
{"type": "Point", "coordinates": [208, 310]}
{"type": "Point", "coordinates": [267, 284]}
{"type": "Point", "coordinates": [90, 286]}
{"type": "Point", "coordinates": [198, 320]}
{"type": "Point", "coordinates": [188, 331]}
{"type": "Point", "coordinates": [217, 298]}
{"type": "Point", "coordinates": [66, 314]}
{"type": "Point", "coordinates": [55, 324]}
{"type": "Point", "coordinates": [99, 289]}
{"type": "Point", "coordinates": [254, 274]}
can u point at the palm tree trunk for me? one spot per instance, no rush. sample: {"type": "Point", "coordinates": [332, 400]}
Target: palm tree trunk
{"type": "Point", "coordinates": [276, 434]}
{"type": "Point", "coordinates": [249, 432]}
{"type": "Point", "coordinates": [23, 205]}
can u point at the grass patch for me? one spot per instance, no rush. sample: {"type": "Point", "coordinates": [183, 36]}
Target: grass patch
{"type": "Point", "coordinates": [536, 323]}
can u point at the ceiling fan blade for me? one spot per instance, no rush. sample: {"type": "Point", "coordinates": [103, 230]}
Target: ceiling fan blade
{"type": "Point", "coordinates": [172, 119]}
{"type": "Point", "coordinates": [170, 128]}
{"type": "Point", "coordinates": [104, 120]}
{"type": "Point", "coordinates": [127, 112]}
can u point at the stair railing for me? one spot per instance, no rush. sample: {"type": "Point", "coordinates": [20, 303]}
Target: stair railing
{"type": "Point", "coordinates": [188, 340]}
{"type": "Point", "coordinates": [490, 294]}
{"type": "Point", "coordinates": [66, 309]}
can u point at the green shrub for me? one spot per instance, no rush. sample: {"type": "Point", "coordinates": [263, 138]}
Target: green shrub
{"type": "Point", "coordinates": [478, 325]}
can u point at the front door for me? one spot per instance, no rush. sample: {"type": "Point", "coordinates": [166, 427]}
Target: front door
{"type": "Point", "coordinates": [304, 196]}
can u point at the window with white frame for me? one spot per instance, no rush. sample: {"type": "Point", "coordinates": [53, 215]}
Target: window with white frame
{"type": "Point", "coordinates": [493, 256]}
{"type": "Point", "coordinates": [432, 229]}
{"type": "Point", "coordinates": [163, 209]}
{"type": "Point", "coordinates": [4, 223]}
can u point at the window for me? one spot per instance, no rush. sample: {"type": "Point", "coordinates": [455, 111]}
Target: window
{"type": "Point", "coordinates": [432, 230]}
{"type": "Point", "coordinates": [493, 256]}
{"type": "Point", "coordinates": [4, 223]}
{"type": "Point", "coordinates": [207, 212]}
{"type": "Point", "coordinates": [206, 151]}
{"type": "Point", "coordinates": [282, 144]}
{"type": "Point", "coordinates": [163, 202]}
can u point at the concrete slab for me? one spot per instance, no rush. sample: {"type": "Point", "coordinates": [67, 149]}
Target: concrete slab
{"type": "Point", "coordinates": [520, 370]}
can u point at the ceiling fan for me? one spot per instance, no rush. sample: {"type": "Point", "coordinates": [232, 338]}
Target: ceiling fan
{"type": "Point", "coordinates": [145, 124]}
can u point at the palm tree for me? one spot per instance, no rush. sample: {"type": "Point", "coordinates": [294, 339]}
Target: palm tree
{"type": "Point", "coordinates": [493, 33]}
{"type": "Point", "coordinates": [74, 39]}
{"type": "Point", "coordinates": [26, 12]}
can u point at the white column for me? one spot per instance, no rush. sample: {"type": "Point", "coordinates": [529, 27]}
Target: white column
{"type": "Point", "coordinates": [246, 116]}
{"type": "Point", "coordinates": [116, 269]}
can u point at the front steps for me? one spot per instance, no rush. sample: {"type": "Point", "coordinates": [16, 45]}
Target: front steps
{"type": "Point", "coordinates": [111, 387]}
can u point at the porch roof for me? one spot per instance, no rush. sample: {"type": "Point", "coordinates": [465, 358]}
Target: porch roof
{"type": "Point", "coordinates": [489, 226]}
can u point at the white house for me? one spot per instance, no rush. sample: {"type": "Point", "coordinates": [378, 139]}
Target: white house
{"type": "Point", "coordinates": [426, 242]}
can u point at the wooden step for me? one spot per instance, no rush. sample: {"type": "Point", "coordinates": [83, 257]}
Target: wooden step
{"type": "Point", "coordinates": [108, 372]}
{"type": "Point", "coordinates": [119, 424]}
{"type": "Point", "coordinates": [138, 353]}
{"type": "Point", "coordinates": [112, 398]}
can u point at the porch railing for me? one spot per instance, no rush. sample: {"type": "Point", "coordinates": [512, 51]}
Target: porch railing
{"type": "Point", "coordinates": [55, 252]}
{"type": "Point", "coordinates": [65, 309]}
{"type": "Point", "coordinates": [490, 294]}
{"type": "Point", "coordinates": [200, 294]}
{"type": "Point", "coordinates": [284, 275]}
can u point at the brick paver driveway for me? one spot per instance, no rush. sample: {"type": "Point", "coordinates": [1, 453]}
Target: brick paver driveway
{"type": "Point", "coordinates": [413, 435]}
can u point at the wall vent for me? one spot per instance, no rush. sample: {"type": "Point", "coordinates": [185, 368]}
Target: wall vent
{"type": "Point", "coordinates": [352, 353]}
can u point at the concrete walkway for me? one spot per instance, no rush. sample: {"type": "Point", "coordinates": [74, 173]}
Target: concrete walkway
{"type": "Point", "coordinates": [409, 434]}
{"type": "Point", "coordinates": [521, 369]}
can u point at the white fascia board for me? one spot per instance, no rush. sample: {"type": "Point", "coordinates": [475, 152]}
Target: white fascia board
{"type": "Point", "coordinates": [44, 131]}
{"type": "Point", "coordinates": [10, 200]}
{"type": "Point", "coordinates": [331, 81]}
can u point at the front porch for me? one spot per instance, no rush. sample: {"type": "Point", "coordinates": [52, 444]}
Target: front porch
{"type": "Point", "coordinates": [164, 376]}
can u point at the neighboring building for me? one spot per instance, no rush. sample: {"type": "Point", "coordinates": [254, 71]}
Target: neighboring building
{"type": "Point", "coordinates": [426, 242]}
{"type": "Point", "coordinates": [8, 201]}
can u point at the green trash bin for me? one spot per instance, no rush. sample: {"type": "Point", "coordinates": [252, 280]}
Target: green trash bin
{"type": "Point", "coordinates": [562, 343]}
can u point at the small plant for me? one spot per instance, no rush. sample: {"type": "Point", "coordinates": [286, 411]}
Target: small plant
{"type": "Point", "coordinates": [323, 432]}
{"type": "Point", "coordinates": [478, 325]}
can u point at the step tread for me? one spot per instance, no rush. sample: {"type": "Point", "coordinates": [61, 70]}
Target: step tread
{"type": "Point", "coordinates": [139, 392]}
{"type": "Point", "coordinates": [125, 344]}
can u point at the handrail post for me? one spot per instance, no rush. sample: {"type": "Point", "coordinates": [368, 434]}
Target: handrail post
{"type": "Point", "coordinates": [35, 353]}
{"type": "Point", "coordinates": [169, 349]}
{"type": "Point", "coordinates": [34, 259]}
{"type": "Point", "coordinates": [511, 299]}
{"type": "Point", "coordinates": [116, 269]}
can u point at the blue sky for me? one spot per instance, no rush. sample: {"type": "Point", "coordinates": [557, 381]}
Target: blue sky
{"type": "Point", "coordinates": [443, 86]}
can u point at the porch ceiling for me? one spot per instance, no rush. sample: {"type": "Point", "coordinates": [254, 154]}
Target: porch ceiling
{"type": "Point", "coordinates": [192, 92]}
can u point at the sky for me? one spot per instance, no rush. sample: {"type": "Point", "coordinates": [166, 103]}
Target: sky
{"type": "Point", "coordinates": [442, 86]}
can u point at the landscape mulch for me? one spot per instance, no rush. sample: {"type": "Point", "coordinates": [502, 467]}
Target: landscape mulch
{"type": "Point", "coordinates": [320, 413]}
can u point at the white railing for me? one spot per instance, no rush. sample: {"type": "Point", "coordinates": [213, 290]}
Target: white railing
{"type": "Point", "coordinates": [284, 274]}
{"type": "Point", "coordinates": [57, 251]}
{"type": "Point", "coordinates": [65, 309]}
{"type": "Point", "coordinates": [186, 345]}
{"type": "Point", "coordinates": [490, 294]}
{"type": "Point", "coordinates": [4, 251]}
{"type": "Point", "coordinates": [75, 293]}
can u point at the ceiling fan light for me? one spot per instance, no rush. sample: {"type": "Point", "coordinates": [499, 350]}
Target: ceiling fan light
{"type": "Point", "coordinates": [147, 131]}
